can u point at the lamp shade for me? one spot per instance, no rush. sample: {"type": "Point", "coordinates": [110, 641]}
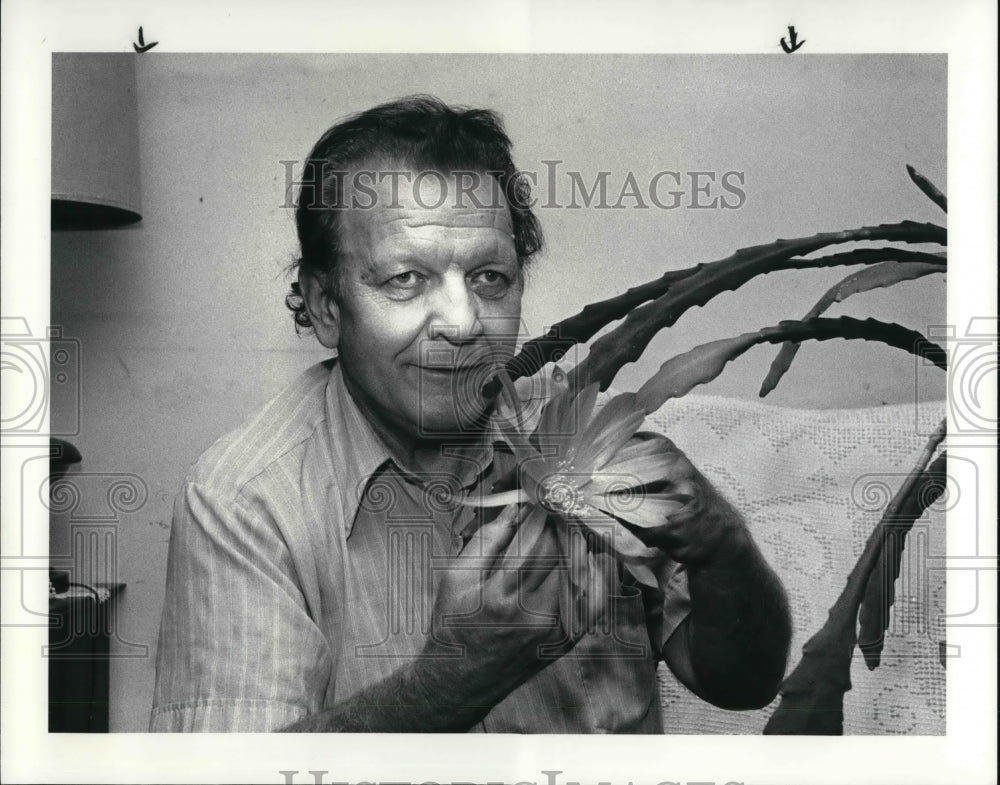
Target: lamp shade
{"type": "Point", "coordinates": [95, 141]}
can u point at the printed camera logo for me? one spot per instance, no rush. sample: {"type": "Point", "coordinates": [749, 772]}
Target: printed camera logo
{"type": "Point", "coordinates": [972, 372]}
{"type": "Point", "coordinates": [466, 370]}
{"type": "Point", "coordinates": [31, 379]}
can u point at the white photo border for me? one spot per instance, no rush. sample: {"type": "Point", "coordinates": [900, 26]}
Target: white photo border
{"type": "Point", "coordinates": [965, 31]}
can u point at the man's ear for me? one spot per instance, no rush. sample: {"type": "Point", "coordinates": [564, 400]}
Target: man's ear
{"type": "Point", "coordinates": [324, 313]}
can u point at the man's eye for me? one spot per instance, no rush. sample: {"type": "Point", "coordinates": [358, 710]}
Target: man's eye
{"type": "Point", "coordinates": [407, 280]}
{"type": "Point", "coordinates": [491, 282]}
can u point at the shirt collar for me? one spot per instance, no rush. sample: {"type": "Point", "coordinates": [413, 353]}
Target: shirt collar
{"type": "Point", "coordinates": [359, 453]}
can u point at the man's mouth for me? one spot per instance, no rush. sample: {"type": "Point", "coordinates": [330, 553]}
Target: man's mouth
{"type": "Point", "coordinates": [482, 361]}
{"type": "Point", "coordinates": [452, 370]}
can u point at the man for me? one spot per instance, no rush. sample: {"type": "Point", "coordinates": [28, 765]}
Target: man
{"type": "Point", "coordinates": [326, 570]}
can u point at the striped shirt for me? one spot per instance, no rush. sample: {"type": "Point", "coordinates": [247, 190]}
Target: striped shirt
{"type": "Point", "coordinates": [301, 571]}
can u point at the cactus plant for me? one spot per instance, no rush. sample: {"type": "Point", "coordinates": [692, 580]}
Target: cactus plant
{"type": "Point", "coordinates": [812, 696]}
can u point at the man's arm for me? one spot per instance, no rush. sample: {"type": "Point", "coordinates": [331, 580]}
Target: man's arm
{"type": "Point", "coordinates": [418, 698]}
{"type": "Point", "coordinates": [731, 650]}
{"type": "Point", "coordinates": [733, 647]}
{"type": "Point", "coordinates": [238, 650]}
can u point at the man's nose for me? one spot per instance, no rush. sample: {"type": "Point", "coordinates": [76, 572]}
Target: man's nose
{"type": "Point", "coordinates": [455, 313]}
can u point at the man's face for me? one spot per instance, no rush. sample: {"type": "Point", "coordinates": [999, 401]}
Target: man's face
{"type": "Point", "coordinates": [429, 299]}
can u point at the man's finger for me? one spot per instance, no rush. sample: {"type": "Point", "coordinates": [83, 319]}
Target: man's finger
{"type": "Point", "coordinates": [543, 558]}
{"type": "Point", "coordinates": [594, 577]}
{"type": "Point", "coordinates": [603, 582]}
{"type": "Point", "coordinates": [579, 565]}
{"type": "Point", "coordinates": [491, 539]}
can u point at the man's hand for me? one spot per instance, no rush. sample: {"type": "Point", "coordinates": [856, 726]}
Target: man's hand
{"type": "Point", "coordinates": [506, 609]}
{"type": "Point", "coordinates": [694, 533]}
{"type": "Point", "coordinates": [733, 647]}
{"type": "Point", "coordinates": [503, 612]}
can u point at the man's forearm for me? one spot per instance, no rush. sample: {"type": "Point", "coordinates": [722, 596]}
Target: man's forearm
{"type": "Point", "coordinates": [737, 636]}
{"type": "Point", "coordinates": [415, 699]}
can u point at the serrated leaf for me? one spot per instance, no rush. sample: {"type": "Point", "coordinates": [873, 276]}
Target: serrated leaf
{"type": "Point", "coordinates": [680, 374]}
{"type": "Point", "coordinates": [930, 190]}
{"type": "Point", "coordinates": [751, 261]}
{"type": "Point", "coordinates": [881, 590]}
{"type": "Point", "coordinates": [812, 697]}
{"type": "Point", "coordinates": [627, 342]}
{"type": "Point", "coordinates": [881, 275]}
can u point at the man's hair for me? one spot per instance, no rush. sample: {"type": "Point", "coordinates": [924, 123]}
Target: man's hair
{"type": "Point", "coordinates": [420, 132]}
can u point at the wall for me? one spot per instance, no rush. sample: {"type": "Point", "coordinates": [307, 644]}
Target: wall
{"type": "Point", "coordinates": [180, 318]}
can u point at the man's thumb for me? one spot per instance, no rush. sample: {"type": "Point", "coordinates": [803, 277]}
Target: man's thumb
{"type": "Point", "coordinates": [491, 539]}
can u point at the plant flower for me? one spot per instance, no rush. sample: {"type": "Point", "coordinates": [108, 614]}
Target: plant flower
{"type": "Point", "coordinates": [587, 467]}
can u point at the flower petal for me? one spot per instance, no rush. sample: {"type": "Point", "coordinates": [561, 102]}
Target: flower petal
{"type": "Point", "coordinates": [510, 398]}
{"type": "Point", "coordinates": [523, 450]}
{"type": "Point", "coordinates": [637, 448]}
{"type": "Point", "coordinates": [579, 561]}
{"type": "Point", "coordinates": [528, 531]}
{"type": "Point", "coordinates": [654, 510]}
{"type": "Point", "coordinates": [626, 544]}
{"type": "Point", "coordinates": [619, 407]}
{"type": "Point", "coordinates": [564, 420]}
{"type": "Point", "coordinates": [608, 432]}
{"type": "Point", "coordinates": [607, 444]}
{"type": "Point", "coordinates": [553, 419]}
{"type": "Point", "coordinates": [585, 405]}
{"type": "Point", "coordinates": [623, 542]}
{"type": "Point", "coordinates": [502, 499]}
{"type": "Point", "coordinates": [632, 473]}
{"type": "Point", "coordinates": [642, 573]}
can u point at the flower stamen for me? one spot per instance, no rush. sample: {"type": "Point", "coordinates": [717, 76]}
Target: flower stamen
{"type": "Point", "coordinates": [560, 493]}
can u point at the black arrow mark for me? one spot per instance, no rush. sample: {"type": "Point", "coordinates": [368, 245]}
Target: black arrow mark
{"type": "Point", "coordinates": [789, 47]}
{"type": "Point", "coordinates": [142, 46]}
